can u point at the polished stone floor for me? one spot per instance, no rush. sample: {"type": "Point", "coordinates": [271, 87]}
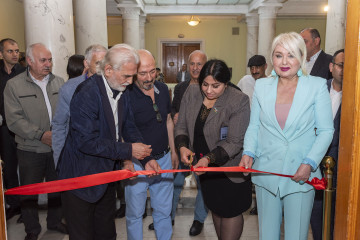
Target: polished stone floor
{"type": "Point", "coordinates": [183, 221]}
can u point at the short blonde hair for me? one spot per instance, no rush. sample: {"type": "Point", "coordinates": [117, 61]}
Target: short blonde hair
{"type": "Point", "coordinates": [294, 43]}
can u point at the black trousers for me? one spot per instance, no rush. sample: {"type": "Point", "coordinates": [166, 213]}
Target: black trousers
{"type": "Point", "coordinates": [8, 155]}
{"type": "Point", "coordinates": [33, 168]}
{"type": "Point", "coordinates": [90, 221]}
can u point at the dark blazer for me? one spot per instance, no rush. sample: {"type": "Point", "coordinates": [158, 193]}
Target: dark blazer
{"type": "Point", "coordinates": [333, 150]}
{"type": "Point", "coordinates": [91, 145]}
{"type": "Point", "coordinates": [187, 76]}
{"type": "Point", "coordinates": [321, 66]}
{"type": "Point", "coordinates": [231, 110]}
{"type": "Point", "coordinates": [179, 91]}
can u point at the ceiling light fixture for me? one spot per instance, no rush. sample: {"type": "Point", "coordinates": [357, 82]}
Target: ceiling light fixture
{"type": "Point", "coordinates": [193, 21]}
{"type": "Point", "coordinates": [326, 8]}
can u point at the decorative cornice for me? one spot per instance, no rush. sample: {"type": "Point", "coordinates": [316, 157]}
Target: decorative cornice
{"type": "Point", "coordinates": [129, 12]}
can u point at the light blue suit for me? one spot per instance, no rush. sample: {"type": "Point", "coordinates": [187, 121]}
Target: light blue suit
{"type": "Point", "coordinates": [284, 150]}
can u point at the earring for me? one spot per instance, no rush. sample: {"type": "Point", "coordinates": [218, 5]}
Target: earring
{"type": "Point", "coordinates": [299, 73]}
{"type": "Point", "coordinates": [273, 73]}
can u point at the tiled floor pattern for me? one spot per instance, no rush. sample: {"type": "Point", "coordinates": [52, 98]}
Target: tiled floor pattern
{"type": "Point", "coordinates": [183, 221]}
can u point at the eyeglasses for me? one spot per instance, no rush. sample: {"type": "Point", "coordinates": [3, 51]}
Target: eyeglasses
{"type": "Point", "coordinates": [340, 65]}
{"type": "Point", "coordinates": [158, 115]}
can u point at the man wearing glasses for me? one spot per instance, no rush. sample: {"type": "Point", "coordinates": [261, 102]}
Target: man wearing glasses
{"type": "Point", "coordinates": [335, 88]}
{"type": "Point", "coordinates": [9, 68]}
{"type": "Point", "coordinates": [151, 106]}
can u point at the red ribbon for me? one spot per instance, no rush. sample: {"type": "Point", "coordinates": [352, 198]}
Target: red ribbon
{"type": "Point", "coordinates": [113, 176]}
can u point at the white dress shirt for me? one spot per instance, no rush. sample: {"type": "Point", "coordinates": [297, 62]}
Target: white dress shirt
{"type": "Point", "coordinates": [42, 84]}
{"type": "Point", "coordinates": [114, 105]}
{"type": "Point", "coordinates": [311, 62]}
{"type": "Point", "coordinates": [336, 98]}
{"type": "Point", "coordinates": [247, 84]}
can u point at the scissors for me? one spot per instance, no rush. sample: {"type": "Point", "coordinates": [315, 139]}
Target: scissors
{"type": "Point", "coordinates": [191, 160]}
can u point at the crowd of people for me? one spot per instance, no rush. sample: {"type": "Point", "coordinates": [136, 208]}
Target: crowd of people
{"type": "Point", "coordinates": [115, 112]}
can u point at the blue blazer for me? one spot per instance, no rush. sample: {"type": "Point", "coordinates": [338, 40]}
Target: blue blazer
{"type": "Point", "coordinates": [284, 150]}
{"type": "Point", "coordinates": [91, 145]}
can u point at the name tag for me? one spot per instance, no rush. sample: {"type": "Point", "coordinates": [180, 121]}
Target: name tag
{"type": "Point", "coordinates": [223, 133]}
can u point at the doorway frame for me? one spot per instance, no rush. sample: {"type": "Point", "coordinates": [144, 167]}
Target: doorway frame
{"type": "Point", "coordinates": [161, 41]}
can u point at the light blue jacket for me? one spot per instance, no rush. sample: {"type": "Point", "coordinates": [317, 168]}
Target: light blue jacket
{"type": "Point", "coordinates": [283, 151]}
{"type": "Point", "coordinates": [60, 122]}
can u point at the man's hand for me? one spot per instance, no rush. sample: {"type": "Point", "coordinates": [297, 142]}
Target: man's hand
{"type": "Point", "coordinates": [129, 165]}
{"type": "Point", "coordinates": [185, 153]}
{"type": "Point", "coordinates": [46, 138]}
{"type": "Point", "coordinates": [140, 150]}
{"type": "Point", "coordinates": [174, 160]}
{"type": "Point", "coordinates": [153, 165]}
{"type": "Point", "coordinates": [203, 162]}
{"type": "Point", "coordinates": [176, 117]}
{"type": "Point", "coordinates": [246, 162]}
{"type": "Point", "coordinates": [302, 174]}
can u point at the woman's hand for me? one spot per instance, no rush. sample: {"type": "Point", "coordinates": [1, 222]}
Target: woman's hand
{"type": "Point", "coordinates": [203, 162]}
{"type": "Point", "coordinates": [185, 154]}
{"type": "Point", "coordinates": [302, 174]}
{"type": "Point", "coordinates": [246, 162]}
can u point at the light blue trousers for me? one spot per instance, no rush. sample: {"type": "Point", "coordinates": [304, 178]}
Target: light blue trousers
{"type": "Point", "coordinates": [200, 211]}
{"type": "Point", "coordinates": [161, 193]}
{"type": "Point", "coordinates": [297, 211]}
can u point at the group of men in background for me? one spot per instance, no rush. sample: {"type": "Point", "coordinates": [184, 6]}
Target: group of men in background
{"type": "Point", "coordinates": [90, 124]}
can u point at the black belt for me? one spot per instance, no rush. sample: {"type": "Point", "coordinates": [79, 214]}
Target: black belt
{"type": "Point", "coordinates": [162, 154]}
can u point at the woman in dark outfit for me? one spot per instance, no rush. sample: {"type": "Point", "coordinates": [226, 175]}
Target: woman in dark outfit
{"type": "Point", "coordinates": [212, 122]}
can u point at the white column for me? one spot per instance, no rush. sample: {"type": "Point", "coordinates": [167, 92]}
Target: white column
{"type": "Point", "coordinates": [252, 21]}
{"type": "Point", "coordinates": [142, 22]}
{"type": "Point", "coordinates": [51, 23]}
{"type": "Point", "coordinates": [90, 24]}
{"type": "Point", "coordinates": [130, 27]}
{"type": "Point", "coordinates": [267, 25]}
{"type": "Point", "coordinates": [335, 26]}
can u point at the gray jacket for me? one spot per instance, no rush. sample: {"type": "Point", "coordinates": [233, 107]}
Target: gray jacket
{"type": "Point", "coordinates": [231, 111]}
{"type": "Point", "coordinates": [26, 112]}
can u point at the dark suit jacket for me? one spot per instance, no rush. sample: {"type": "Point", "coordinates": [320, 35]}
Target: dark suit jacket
{"type": "Point", "coordinates": [179, 91]}
{"type": "Point", "coordinates": [321, 66]}
{"type": "Point", "coordinates": [231, 110]}
{"type": "Point", "coordinates": [91, 145]}
{"type": "Point", "coordinates": [178, 76]}
{"type": "Point", "coordinates": [333, 150]}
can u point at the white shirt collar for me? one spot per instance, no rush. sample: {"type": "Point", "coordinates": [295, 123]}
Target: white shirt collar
{"type": "Point", "coordinates": [315, 56]}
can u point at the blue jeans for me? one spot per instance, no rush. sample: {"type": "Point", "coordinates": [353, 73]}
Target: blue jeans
{"type": "Point", "coordinates": [201, 210]}
{"type": "Point", "coordinates": [161, 192]}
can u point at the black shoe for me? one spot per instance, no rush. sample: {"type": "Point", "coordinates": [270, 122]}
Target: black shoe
{"type": "Point", "coordinates": [120, 213]}
{"type": "Point", "coordinates": [12, 211]}
{"type": "Point", "coordinates": [151, 225]}
{"type": "Point", "coordinates": [253, 211]}
{"type": "Point", "coordinates": [61, 228]}
{"type": "Point", "coordinates": [20, 219]}
{"type": "Point", "coordinates": [196, 228]}
{"type": "Point", "coordinates": [31, 236]}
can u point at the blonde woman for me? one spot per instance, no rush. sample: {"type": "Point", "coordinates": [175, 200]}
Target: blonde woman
{"type": "Point", "coordinates": [290, 130]}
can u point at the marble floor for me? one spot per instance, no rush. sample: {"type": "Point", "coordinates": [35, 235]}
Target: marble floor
{"type": "Point", "coordinates": [183, 221]}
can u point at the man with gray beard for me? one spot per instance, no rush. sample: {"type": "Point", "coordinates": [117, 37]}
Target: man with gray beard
{"type": "Point", "coordinates": [100, 118]}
